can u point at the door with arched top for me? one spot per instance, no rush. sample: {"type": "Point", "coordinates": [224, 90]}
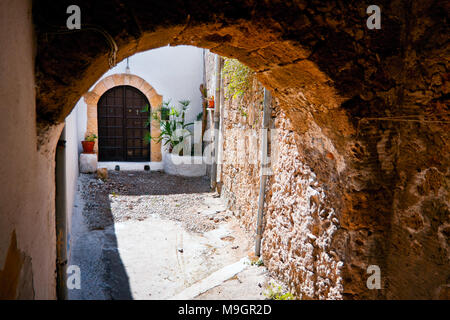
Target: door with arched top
{"type": "Point", "coordinates": [122, 125]}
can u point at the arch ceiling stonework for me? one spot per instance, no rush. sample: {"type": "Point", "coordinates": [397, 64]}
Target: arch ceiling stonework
{"type": "Point", "coordinates": [123, 79]}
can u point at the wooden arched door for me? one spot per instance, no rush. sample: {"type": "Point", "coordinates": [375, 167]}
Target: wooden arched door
{"type": "Point", "coordinates": [122, 125]}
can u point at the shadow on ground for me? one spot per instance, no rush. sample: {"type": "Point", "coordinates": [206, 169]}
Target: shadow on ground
{"type": "Point", "coordinates": [95, 245]}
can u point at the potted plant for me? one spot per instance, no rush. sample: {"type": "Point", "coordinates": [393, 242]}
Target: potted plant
{"type": "Point", "coordinates": [172, 124]}
{"type": "Point", "coordinates": [88, 143]}
{"type": "Point", "coordinates": [211, 103]}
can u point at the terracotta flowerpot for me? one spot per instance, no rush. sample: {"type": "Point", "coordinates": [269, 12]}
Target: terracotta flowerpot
{"type": "Point", "coordinates": [88, 146]}
{"type": "Point", "coordinates": [211, 103]}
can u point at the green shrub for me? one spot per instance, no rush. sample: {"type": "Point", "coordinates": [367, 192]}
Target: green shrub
{"type": "Point", "coordinates": [172, 124]}
{"type": "Point", "coordinates": [90, 137]}
{"type": "Point", "coordinates": [276, 292]}
{"type": "Point", "coordinates": [238, 78]}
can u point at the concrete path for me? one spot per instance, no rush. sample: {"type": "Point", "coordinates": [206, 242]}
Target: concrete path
{"type": "Point", "coordinates": [158, 256]}
{"type": "Point", "coordinates": [213, 280]}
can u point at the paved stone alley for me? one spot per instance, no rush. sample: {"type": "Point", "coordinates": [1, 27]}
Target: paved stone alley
{"type": "Point", "coordinates": [148, 235]}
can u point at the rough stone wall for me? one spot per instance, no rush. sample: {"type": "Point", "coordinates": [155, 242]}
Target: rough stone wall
{"type": "Point", "coordinates": [300, 224]}
{"type": "Point", "coordinates": [299, 220]}
{"type": "Point", "coordinates": [241, 154]}
{"type": "Point", "coordinates": [320, 237]}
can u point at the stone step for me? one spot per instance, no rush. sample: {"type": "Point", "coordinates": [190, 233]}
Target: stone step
{"type": "Point", "coordinates": [213, 280]}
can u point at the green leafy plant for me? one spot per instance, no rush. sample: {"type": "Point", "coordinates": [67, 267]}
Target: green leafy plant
{"type": "Point", "coordinates": [165, 111]}
{"type": "Point", "coordinates": [242, 111]}
{"type": "Point", "coordinates": [276, 292]}
{"type": "Point", "coordinates": [90, 137]}
{"type": "Point", "coordinates": [258, 262]}
{"type": "Point", "coordinates": [238, 78]}
{"type": "Point", "coordinates": [161, 113]}
{"type": "Point", "coordinates": [172, 124]}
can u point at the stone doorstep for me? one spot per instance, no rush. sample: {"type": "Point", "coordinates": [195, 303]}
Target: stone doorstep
{"type": "Point", "coordinates": [88, 162]}
{"type": "Point", "coordinates": [131, 166]}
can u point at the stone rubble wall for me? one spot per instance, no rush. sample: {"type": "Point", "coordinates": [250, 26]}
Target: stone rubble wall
{"type": "Point", "coordinates": [299, 223]}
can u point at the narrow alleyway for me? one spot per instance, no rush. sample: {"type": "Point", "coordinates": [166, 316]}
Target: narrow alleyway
{"type": "Point", "coordinates": [148, 235]}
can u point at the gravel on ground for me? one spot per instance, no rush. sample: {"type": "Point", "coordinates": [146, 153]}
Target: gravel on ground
{"type": "Point", "coordinates": [149, 235]}
{"type": "Point", "coordinates": [137, 195]}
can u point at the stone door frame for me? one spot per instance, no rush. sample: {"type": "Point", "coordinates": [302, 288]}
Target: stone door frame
{"type": "Point", "coordinates": [123, 79]}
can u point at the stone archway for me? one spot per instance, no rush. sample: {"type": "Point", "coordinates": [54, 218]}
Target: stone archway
{"type": "Point", "coordinates": [120, 79]}
{"type": "Point", "coordinates": [328, 72]}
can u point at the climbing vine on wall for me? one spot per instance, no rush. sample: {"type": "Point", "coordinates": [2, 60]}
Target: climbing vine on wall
{"type": "Point", "coordinates": [238, 78]}
{"type": "Point", "coordinates": [243, 91]}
